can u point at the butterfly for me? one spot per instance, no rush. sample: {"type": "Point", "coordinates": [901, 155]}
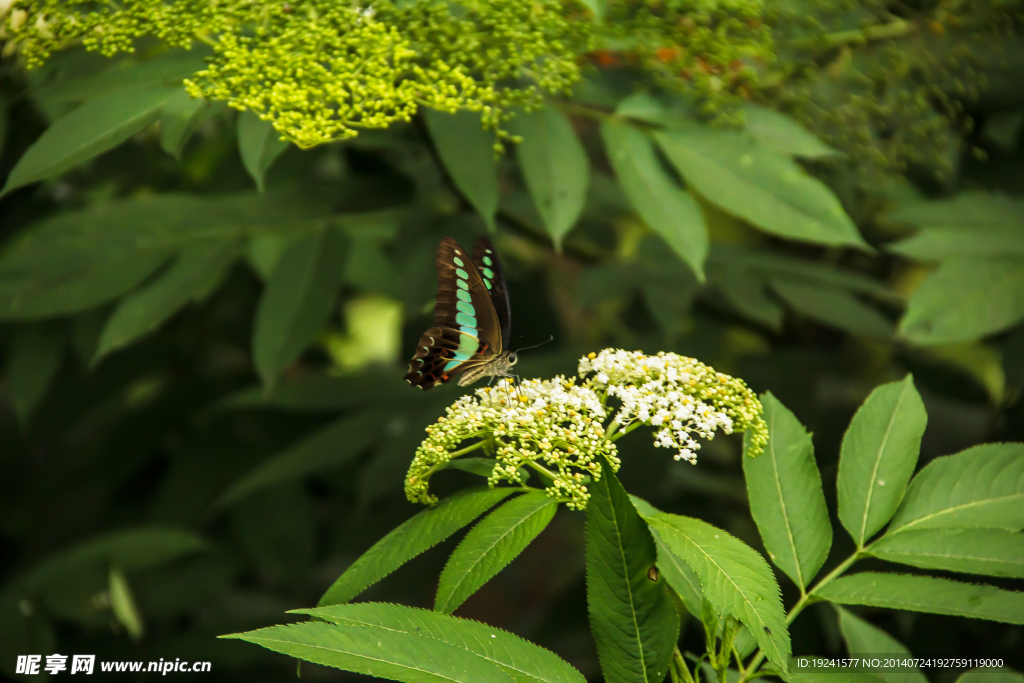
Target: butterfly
{"type": "Point", "coordinates": [472, 320]}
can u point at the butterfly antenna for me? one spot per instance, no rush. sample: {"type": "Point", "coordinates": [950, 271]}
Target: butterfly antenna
{"type": "Point", "coordinates": [551, 338]}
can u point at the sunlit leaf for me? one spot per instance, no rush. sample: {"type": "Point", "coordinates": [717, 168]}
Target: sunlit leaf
{"type": "Point", "coordinates": [467, 152]}
{"type": "Point", "coordinates": [413, 537]}
{"type": "Point", "coordinates": [494, 542]}
{"type": "Point", "coordinates": [786, 497]}
{"type": "Point", "coordinates": [765, 189]}
{"type": "Point", "coordinates": [979, 487]}
{"type": "Point", "coordinates": [780, 133]}
{"type": "Point", "coordinates": [992, 552]}
{"type": "Point", "coordinates": [878, 456]}
{"type": "Point", "coordinates": [926, 594]}
{"type": "Point", "coordinates": [670, 211]}
{"type": "Point", "coordinates": [555, 168]}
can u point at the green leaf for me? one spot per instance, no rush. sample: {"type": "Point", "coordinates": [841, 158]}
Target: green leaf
{"type": "Point", "coordinates": [670, 211]}
{"type": "Point", "coordinates": [88, 131]}
{"type": "Point", "coordinates": [965, 299]}
{"type": "Point", "coordinates": [129, 550]}
{"type": "Point", "coordinates": [771, 265]}
{"type": "Point", "coordinates": [524, 661]}
{"type": "Point", "coordinates": [926, 594]}
{"type": "Point", "coordinates": [60, 293]}
{"type": "Point", "coordinates": [979, 487]}
{"type": "Point", "coordinates": [765, 189]}
{"type": "Point", "coordinates": [878, 456]}
{"type": "Point", "coordinates": [327, 448]}
{"type": "Point", "coordinates": [993, 552]}
{"type": "Point", "coordinates": [555, 168]}
{"type": "Point", "coordinates": [259, 144]}
{"type": "Point", "coordinates": [297, 300]}
{"type": "Point", "coordinates": [977, 210]}
{"type": "Point", "coordinates": [863, 638]}
{"type": "Point", "coordinates": [33, 360]}
{"type": "Point", "coordinates": [491, 545]}
{"type": "Point", "coordinates": [596, 6]}
{"type": "Point", "coordinates": [467, 152]}
{"type": "Point", "coordinates": [781, 134]}
{"type": "Point", "coordinates": [835, 307]}
{"type": "Point", "coordinates": [990, 675]}
{"type": "Point", "coordinates": [735, 578]}
{"type": "Point", "coordinates": [178, 120]}
{"type": "Point", "coordinates": [634, 622]}
{"type": "Point", "coordinates": [945, 243]}
{"type": "Point", "coordinates": [414, 536]}
{"type": "Point", "coordinates": [194, 275]}
{"type": "Point", "coordinates": [786, 498]}
{"type": "Point", "coordinates": [122, 604]}
{"type": "Point", "coordinates": [377, 652]}
{"type": "Point", "coordinates": [683, 580]}
{"type": "Point", "coordinates": [834, 676]}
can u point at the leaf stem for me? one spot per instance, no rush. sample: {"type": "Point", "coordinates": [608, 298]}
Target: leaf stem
{"type": "Point", "coordinates": [455, 454]}
{"type": "Point", "coordinates": [805, 599]}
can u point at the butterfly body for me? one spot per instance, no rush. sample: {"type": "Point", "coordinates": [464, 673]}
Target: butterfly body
{"type": "Point", "coordinates": [470, 335]}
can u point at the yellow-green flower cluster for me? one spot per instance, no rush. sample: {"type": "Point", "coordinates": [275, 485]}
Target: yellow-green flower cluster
{"type": "Point", "coordinates": [559, 428]}
{"type": "Point", "coordinates": [552, 426]}
{"type": "Point", "coordinates": [678, 395]}
{"type": "Point", "coordinates": [320, 70]}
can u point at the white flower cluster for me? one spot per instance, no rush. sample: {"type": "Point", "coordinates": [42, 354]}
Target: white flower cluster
{"type": "Point", "coordinates": [679, 396]}
{"type": "Point", "coordinates": [552, 426]}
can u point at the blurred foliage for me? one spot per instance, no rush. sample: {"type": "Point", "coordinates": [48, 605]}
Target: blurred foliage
{"type": "Point", "coordinates": [203, 421]}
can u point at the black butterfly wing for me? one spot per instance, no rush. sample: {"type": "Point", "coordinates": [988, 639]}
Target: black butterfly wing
{"type": "Point", "coordinates": [466, 331]}
{"type": "Point", "coordinates": [487, 263]}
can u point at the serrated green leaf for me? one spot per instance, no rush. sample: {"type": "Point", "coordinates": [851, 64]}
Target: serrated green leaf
{"type": "Point", "coordinates": [494, 542]}
{"type": "Point", "coordinates": [965, 299]}
{"type": "Point", "coordinates": [555, 168]}
{"type": "Point", "coordinates": [297, 300]}
{"type": "Point", "coordinates": [878, 456]}
{"type": "Point", "coordinates": [84, 287]}
{"type": "Point", "coordinates": [178, 120]}
{"type": "Point", "coordinates": [863, 638]}
{"type": "Point", "coordinates": [992, 552]}
{"type": "Point", "coordinates": [979, 487]}
{"type": "Point", "coordinates": [834, 676]}
{"type": "Point", "coordinates": [122, 604]}
{"type": "Point", "coordinates": [767, 190]}
{"type": "Point", "coordinates": [680, 577]}
{"type": "Point", "coordinates": [33, 359]}
{"type": "Point", "coordinates": [832, 306]}
{"type": "Point", "coordinates": [467, 152]}
{"type": "Point", "coordinates": [327, 448]}
{"type": "Point", "coordinates": [991, 675]}
{"type": "Point", "coordinates": [377, 652]}
{"type": "Point", "coordinates": [86, 132]}
{"type": "Point", "coordinates": [780, 133]}
{"type": "Point", "coordinates": [259, 144]}
{"type": "Point", "coordinates": [521, 659]}
{"type": "Point", "coordinates": [414, 536]}
{"type": "Point", "coordinates": [735, 579]}
{"type": "Point", "coordinates": [926, 594]}
{"type": "Point", "coordinates": [670, 211]}
{"type": "Point", "coordinates": [786, 498]}
{"type": "Point", "coordinates": [197, 271]}
{"type": "Point", "coordinates": [634, 622]}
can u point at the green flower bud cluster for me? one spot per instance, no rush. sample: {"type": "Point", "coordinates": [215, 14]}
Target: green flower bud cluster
{"type": "Point", "coordinates": [320, 70]}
